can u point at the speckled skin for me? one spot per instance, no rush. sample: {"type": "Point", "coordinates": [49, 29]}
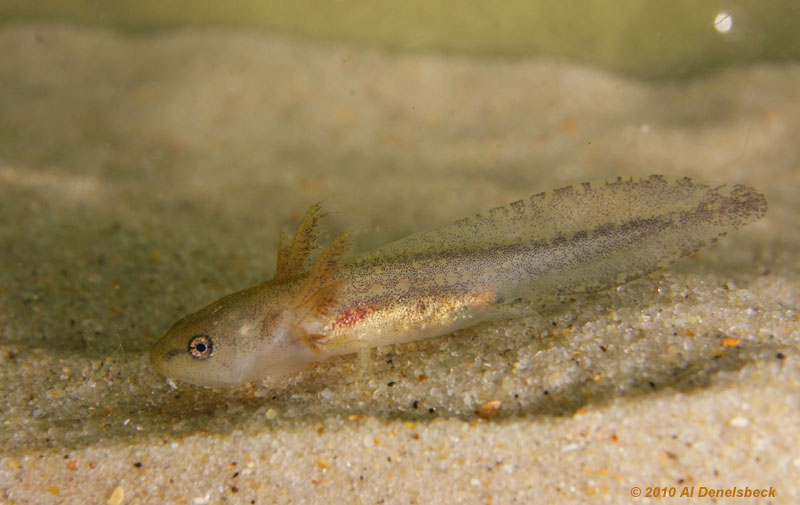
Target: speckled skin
{"type": "Point", "coordinates": [582, 238]}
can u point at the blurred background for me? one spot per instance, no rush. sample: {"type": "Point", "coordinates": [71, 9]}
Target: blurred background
{"type": "Point", "coordinates": [643, 39]}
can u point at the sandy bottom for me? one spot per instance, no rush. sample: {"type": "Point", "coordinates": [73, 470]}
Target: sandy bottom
{"type": "Point", "coordinates": [144, 176]}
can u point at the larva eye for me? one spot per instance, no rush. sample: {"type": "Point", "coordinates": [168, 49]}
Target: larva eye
{"type": "Point", "coordinates": [201, 346]}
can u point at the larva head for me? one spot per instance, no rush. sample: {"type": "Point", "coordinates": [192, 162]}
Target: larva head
{"type": "Point", "coordinates": [239, 338]}
{"type": "Point", "coordinates": [211, 347]}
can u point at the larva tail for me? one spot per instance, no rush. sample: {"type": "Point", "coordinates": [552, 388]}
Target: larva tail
{"type": "Point", "coordinates": [614, 232]}
{"type": "Point", "coordinates": [587, 237]}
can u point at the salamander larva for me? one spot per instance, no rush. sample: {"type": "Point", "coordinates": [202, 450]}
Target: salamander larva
{"type": "Point", "coordinates": [587, 237]}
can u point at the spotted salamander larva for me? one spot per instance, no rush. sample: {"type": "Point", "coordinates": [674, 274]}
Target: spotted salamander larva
{"type": "Point", "coordinates": [587, 237]}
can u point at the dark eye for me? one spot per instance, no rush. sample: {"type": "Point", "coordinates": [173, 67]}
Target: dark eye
{"type": "Point", "coordinates": [201, 346]}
